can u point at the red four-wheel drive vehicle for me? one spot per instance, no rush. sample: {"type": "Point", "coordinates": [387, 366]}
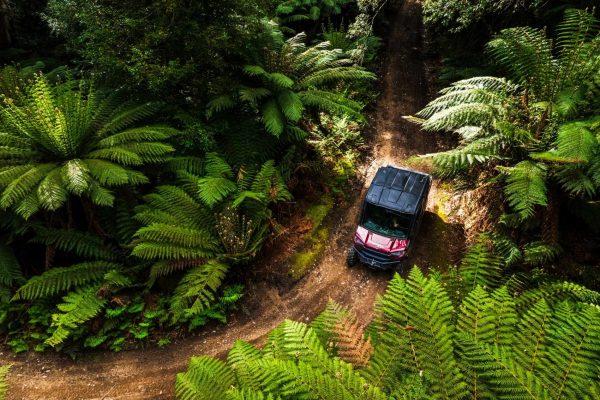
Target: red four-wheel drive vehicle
{"type": "Point", "coordinates": [390, 218]}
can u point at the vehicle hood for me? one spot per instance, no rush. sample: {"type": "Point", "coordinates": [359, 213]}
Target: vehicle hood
{"type": "Point", "coordinates": [380, 242]}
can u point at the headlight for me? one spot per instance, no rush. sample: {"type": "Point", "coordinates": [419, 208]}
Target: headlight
{"type": "Point", "coordinates": [398, 254]}
{"type": "Point", "coordinates": [358, 241]}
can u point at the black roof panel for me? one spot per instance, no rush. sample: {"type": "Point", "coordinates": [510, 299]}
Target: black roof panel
{"type": "Point", "coordinates": [398, 189]}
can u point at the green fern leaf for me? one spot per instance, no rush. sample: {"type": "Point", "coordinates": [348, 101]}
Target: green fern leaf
{"type": "Point", "coordinates": [58, 279]}
{"type": "Point", "coordinates": [4, 370]}
{"type": "Point", "coordinates": [501, 374]}
{"type": "Point", "coordinates": [526, 187]}
{"type": "Point", "coordinates": [196, 291]}
{"type": "Point", "coordinates": [206, 379]}
{"type": "Point", "coordinates": [78, 308]}
{"type": "Point", "coordinates": [481, 266]}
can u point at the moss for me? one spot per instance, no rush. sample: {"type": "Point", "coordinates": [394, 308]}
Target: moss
{"type": "Point", "coordinates": [304, 260]}
{"type": "Point", "coordinates": [317, 212]}
{"type": "Point", "coordinates": [442, 197]}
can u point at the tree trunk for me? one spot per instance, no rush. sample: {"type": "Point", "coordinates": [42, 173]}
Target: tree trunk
{"type": "Point", "coordinates": [5, 37]}
{"type": "Point", "coordinates": [551, 217]}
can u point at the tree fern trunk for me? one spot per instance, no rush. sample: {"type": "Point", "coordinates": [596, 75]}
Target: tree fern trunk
{"type": "Point", "coordinates": [90, 215]}
{"type": "Point", "coordinates": [5, 37]}
{"type": "Point", "coordinates": [551, 217]}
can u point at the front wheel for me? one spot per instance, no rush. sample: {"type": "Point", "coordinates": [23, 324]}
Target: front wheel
{"type": "Point", "coordinates": [352, 257]}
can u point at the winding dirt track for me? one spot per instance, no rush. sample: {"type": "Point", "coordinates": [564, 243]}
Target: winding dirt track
{"type": "Point", "coordinates": [150, 374]}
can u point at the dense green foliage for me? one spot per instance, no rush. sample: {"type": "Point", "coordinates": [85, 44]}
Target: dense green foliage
{"type": "Point", "coordinates": [543, 342]}
{"type": "Point", "coordinates": [457, 15]}
{"type": "Point", "coordinates": [167, 46]}
{"type": "Point", "coordinates": [59, 141]}
{"type": "Point", "coordinates": [122, 215]}
{"type": "Point", "coordinates": [536, 129]}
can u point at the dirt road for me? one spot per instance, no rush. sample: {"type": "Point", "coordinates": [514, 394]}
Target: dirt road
{"type": "Point", "coordinates": [150, 373]}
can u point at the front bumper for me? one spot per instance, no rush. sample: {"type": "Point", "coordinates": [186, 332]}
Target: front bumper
{"type": "Point", "coordinates": [376, 259]}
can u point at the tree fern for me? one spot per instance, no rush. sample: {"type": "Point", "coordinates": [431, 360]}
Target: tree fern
{"type": "Point", "coordinates": [293, 79]}
{"type": "Point", "coordinates": [535, 126]}
{"type": "Point", "coordinates": [493, 349]}
{"type": "Point", "coordinates": [81, 144]}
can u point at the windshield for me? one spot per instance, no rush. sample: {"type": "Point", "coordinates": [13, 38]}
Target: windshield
{"type": "Point", "coordinates": [385, 222]}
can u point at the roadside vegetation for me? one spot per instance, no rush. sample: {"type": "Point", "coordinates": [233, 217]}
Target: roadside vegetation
{"type": "Point", "coordinates": [476, 332]}
{"type": "Point", "coordinates": [133, 181]}
{"type": "Point", "coordinates": [151, 150]}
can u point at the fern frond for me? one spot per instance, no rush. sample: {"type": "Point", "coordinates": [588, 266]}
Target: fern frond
{"type": "Point", "coordinates": [205, 378]}
{"type": "Point", "coordinates": [429, 309]}
{"type": "Point", "coordinates": [242, 360]}
{"type": "Point", "coordinates": [500, 373]}
{"type": "Point", "coordinates": [218, 104]}
{"type": "Point", "coordinates": [325, 323]}
{"type": "Point", "coordinates": [505, 316]}
{"type": "Point", "coordinates": [10, 270]}
{"type": "Point", "coordinates": [527, 54]}
{"type": "Point", "coordinates": [526, 187]}
{"type": "Point", "coordinates": [4, 370]}
{"type": "Point", "coordinates": [331, 102]}
{"type": "Point", "coordinates": [350, 343]}
{"type": "Point", "coordinates": [127, 116]}
{"type": "Point", "coordinates": [476, 316]}
{"type": "Point", "coordinates": [480, 265]}
{"type": "Point", "coordinates": [212, 190]}
{"type": "Point", "coordinates": [576, 142]}
{"type": "Point", "coordinates": [273, 118]}
{"type": "Point", "coordinates": [573, 353]}
{"type": "Point", "coordinates": [291, 105]}
{"type": "Point", "coordinates": [80, 243]}
{"type": "Point", "coordinates": [62, 279]}
{"type": "Point", "coordinates": [196, 291]}
{"type": "Point", "coordinates": [78, 308]}
{"type": "Point", "coordinates": [530, 340]}
{"type": "Point", "coordinates": [556, 291]}
{"type": "Point", "coordinates": [247, 394]}
{"type": "Point", "coordinates": [539, 253]}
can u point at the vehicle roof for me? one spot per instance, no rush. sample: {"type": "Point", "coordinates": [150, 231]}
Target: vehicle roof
{"type": "Point", "coordinates": [398, 189]}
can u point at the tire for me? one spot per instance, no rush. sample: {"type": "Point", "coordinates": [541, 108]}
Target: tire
{"type": "Point", "coordinates": [352, 257]}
